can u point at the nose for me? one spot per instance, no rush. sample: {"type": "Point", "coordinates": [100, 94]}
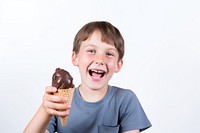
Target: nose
{"type": "Point", "coordinates": [99, 62]}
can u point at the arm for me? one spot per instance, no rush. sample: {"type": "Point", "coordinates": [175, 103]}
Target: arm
{"type": "Point", "coordinates": [39, 122]}
{"type": "Point", "coordinates": [50, 106]}
{"type": "Point", "coordinates": [132, 131]}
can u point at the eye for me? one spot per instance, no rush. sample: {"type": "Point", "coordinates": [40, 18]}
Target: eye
{"type": "Point", "coordinates": [109, 54]}
{"type": "Point", "coordinates": [92, 51]}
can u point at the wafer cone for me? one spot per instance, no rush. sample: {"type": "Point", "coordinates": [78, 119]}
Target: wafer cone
{"type": "Point", "coordinates": [68, 93]}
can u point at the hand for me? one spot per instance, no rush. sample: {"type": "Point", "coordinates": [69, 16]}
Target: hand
{"type": "Point", "coordinates": [55, 105]}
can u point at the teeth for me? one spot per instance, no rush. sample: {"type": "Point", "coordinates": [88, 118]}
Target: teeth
{"type": "Point", "coordinates": [100, 72]}
{"type": "Point", "coordinates": [96, 71]}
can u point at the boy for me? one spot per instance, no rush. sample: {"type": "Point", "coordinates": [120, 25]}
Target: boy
{"type": "Point", "coordinates": [97, 107]}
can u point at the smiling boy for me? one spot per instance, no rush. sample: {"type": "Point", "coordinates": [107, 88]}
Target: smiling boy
{"type": "Point", "coordinates": [97, 107]}
{"type": "Point", "coordinates": [97, 61]}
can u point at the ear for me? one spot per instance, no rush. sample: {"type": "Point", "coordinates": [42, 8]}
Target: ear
{"type": "Point", "coordinates": [74, 59]}
{"type": "Point", "coordinates": [118, 66]}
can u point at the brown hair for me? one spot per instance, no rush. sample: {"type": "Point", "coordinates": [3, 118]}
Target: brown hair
{"type": "Point", "coordinates": [110, 34]}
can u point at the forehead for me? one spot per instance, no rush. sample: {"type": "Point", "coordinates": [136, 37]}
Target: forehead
{"type": "Point", "coordinates": [98, 36]}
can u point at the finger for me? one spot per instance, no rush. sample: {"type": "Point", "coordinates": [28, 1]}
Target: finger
{"type": "Point", "coordinates": [54, 98]}
{"type": "Point", "coordinates": [50, 89]}
{"type": "Point", "coordinates": [57, 109]}
{"type": "Point", "coordinates": [57, 106]}
{"type": "Point", "coordinates": [58, 113]}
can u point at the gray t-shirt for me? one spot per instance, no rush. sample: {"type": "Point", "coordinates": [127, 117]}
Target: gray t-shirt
{"type": "Point", "coordinates": [117, 112]}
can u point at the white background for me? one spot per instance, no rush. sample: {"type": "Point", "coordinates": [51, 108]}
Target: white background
{"type": "Point", "coordinates": [161, 63]}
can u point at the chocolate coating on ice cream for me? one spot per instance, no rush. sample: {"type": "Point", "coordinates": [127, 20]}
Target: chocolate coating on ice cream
{"type": "Point", "coordinates": [61, 79]}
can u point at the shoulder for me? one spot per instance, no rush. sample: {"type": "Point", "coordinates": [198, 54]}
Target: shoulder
{"type": "Point", "coordinates": [124, 97]}
{"type": "Point", "coordinates": [123, 94]}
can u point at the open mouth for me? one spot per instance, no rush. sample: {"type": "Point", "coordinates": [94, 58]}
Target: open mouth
{"type": "Point", "coordinates": [96, 73]}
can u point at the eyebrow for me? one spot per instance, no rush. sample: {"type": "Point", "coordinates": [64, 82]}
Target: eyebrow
{"type": "Point", "coordinates": [92, 45]}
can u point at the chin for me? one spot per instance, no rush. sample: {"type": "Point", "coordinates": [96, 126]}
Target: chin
{"type": "Point", "coordinates": [97, 87]}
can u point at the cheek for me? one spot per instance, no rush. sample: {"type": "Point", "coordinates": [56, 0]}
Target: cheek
{"type": "Point", "coordinates": [112, 65]}
{"type": "Point", "coordinates": [84, 59]}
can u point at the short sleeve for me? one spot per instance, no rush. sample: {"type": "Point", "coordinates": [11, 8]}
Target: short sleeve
{"type": "Point", "coordinates": [132, 115]}
{"type": "Point", "coordinates": [52, 125]}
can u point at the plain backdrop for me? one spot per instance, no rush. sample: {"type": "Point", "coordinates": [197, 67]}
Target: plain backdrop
{"type": "Point", "coordinates": [161, 63]}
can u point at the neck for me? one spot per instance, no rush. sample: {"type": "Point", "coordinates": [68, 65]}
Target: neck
{"type": "Point", "coordinates": [92, 95]}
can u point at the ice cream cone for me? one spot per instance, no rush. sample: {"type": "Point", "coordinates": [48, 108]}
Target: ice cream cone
{"type": "Point", "coordinates": [68, 93]}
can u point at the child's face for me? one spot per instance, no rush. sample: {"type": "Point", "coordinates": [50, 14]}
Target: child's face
{"type": "Point", "coordinates": [97, 62]}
